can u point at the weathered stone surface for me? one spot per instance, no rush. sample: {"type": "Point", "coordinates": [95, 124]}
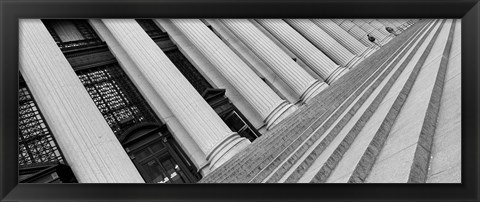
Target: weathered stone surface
{"type": "Point", "coordinates": [445, 162]}
{"type": "Point", "coordinates": [406, 129]}
{"type": "Point", "coordinates": [283, 147]}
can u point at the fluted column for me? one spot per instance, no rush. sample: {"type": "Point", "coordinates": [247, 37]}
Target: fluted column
{"type": "Point", "coordinates": [355, 31]}
{"type": "Point", "coordinates": [208, 130]}
{"type": "Point", "coordinates": [369, 29]}
{"type": "Point", "coordinates": [395, 23]}
{"type": "Point", "coordinates": [401, 23]}
{"type": "Point", "coordinates": [84, 137]}
{"type": "Point", "coordinates": [387, 23]}
{"type": "Point", "coordinates": [301, 47]}
{"type": "Point", "coordinates": [269, 105]}
{"type": "Point", "coordinates": [338, 21]}
{"type": "Point", "coordinates": [368, 20]}
{"type": "Point", "coordinates": [379, 26]}
{"type": "Point", "coordinates": [322, 40]}
{"type": "Point", "coordinates": [342, 36]}
{"type": "Point", "coordinates": [295, 76]}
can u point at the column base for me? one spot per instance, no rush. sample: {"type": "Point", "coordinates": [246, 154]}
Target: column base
{"type": "Point", "coordinates": [279, 113]}
{"type": "Point", "coordinates": [226, 149]}
{"type": "Point", "coordinates": [316, 87]}
{"type": "Point", "coordinates": [339, 71]}
{"type": "Point", "coordinates": [386, 40]}
{"type": "Point", "coordinates": [204, 169]}
{"type": "Point", "coordinates": [369, 51]}
{"type": "Point", "coordinates": [353, 62]}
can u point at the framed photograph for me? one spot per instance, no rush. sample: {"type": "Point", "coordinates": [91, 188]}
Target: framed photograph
{"type": "Point", "coordinates": [239, 100]}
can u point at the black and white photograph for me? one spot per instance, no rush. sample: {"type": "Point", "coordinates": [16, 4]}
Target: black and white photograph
{"type": "Point", "coordinates": [237, 100]}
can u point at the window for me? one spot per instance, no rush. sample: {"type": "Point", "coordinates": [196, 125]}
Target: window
{"type": "Point", "coordinates": [188, 70]}
{"type": "Point", "coordinates": [151, 28]}
{"type": "Point", "coordinates": [236, 123]}
{"type": "Point", "coordinates": [36, 143]}
{"type": "Point", "coordinates": [159, 159]}
{"type": "Point", "coordinates": [72, 34]}
{"type": "Point", "coordinates": [116, 97]}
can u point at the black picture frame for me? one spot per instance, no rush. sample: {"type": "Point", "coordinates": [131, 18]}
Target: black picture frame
{"type": "Point", "coordinates": [12, 10]}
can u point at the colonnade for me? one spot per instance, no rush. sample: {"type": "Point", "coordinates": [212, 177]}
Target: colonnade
{"type": "Point", "coordinates": [328, 47]}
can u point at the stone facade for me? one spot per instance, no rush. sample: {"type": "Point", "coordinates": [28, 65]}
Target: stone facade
{"type": "Point", "coordinates": [247, 100]}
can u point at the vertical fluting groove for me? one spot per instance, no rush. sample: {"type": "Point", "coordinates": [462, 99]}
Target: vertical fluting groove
{"type": "Point", "coordinates": [322, 40]}
{"type": "Point", "coordinates": [192, 111]}
{"type": "Point", "coordinates": [248, 84]}
{"type": "Point", "coordinates": [301, 47]}
{"type": "Point", "coordinates": [343, 37]}
{"type": "Point", "coordinates": [86, 140]}
{"type": "Point", "coordinates": [294, 75]}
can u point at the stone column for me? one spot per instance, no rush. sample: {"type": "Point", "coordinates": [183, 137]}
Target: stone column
{"type": "Point", "coordinates": [295, 76]}
{"type": "Point", "coordinates": [368, 20]}
{"type": "Point", "coordinates": [84, 137]}
{"type": "Point", "coordinates": [342, 36]}
{"type": "Point", "coordinates": [394, 22]}
{"type": "Point", "coordinates": [401, 23]}
{"type": "Point", "coordinates": [323, 41]}
{"type": "Point", "coordinates": [386, 23]}
{"type": "Point", "coordinates": [338, 21]}
{"type": "Point", "coordinates": [408, 22]}
{"type": "Point", "coordinates": [301, 47]}
{"type": "Point", "coordinates": [369, 29]}
{"type": "Point", "coordinates": [379, 26]}
{"type": "Point", "coordinates": [269, 105]}
{"type": "Point", "coordinates": [208, 130]}
{"type": "Point", "coordinates": [356, 32]}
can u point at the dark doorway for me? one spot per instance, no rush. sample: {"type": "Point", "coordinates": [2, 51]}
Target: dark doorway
{"type": "Point", "coordinates": [157, 155]}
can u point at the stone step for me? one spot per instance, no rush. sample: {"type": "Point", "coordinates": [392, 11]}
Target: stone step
{"type": "Point", "coordinates": [328, 159]}
{"type": "Point", "coordinates": [332, 98]}
{"type": "Point", "coordinates": [407, 140]}
{"type": "Point", "coordinates": [264, 150]}
{"type": "Point", "coordinates": [369, 157]}
{"type": "Point", "coordinates": [421, 158]}
{"type": "Point", "coordinates": [307, 143]}
{"type": "Point", "coordinates": [267, 145]}
{"type": "Point", "coordinates": [259, 149]}
{"type": "Point", "coordinates": [351, 157]}
{"type": "Point", "coordinates": [445, 162]}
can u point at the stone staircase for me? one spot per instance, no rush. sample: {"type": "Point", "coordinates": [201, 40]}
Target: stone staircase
{"type": "Point", "coordinates": [375, 124]}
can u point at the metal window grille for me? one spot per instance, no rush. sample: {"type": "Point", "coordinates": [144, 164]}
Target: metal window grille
{"type": "Point", "coordinates": [116, 97]}
{"type": "Point", "coordinates": [35, 141]}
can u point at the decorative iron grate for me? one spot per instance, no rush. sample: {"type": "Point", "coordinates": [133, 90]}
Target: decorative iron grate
{"type": "Point", "coordinates": [36, 143]}
{"type": "Point", "coordinates": [116, 97]}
